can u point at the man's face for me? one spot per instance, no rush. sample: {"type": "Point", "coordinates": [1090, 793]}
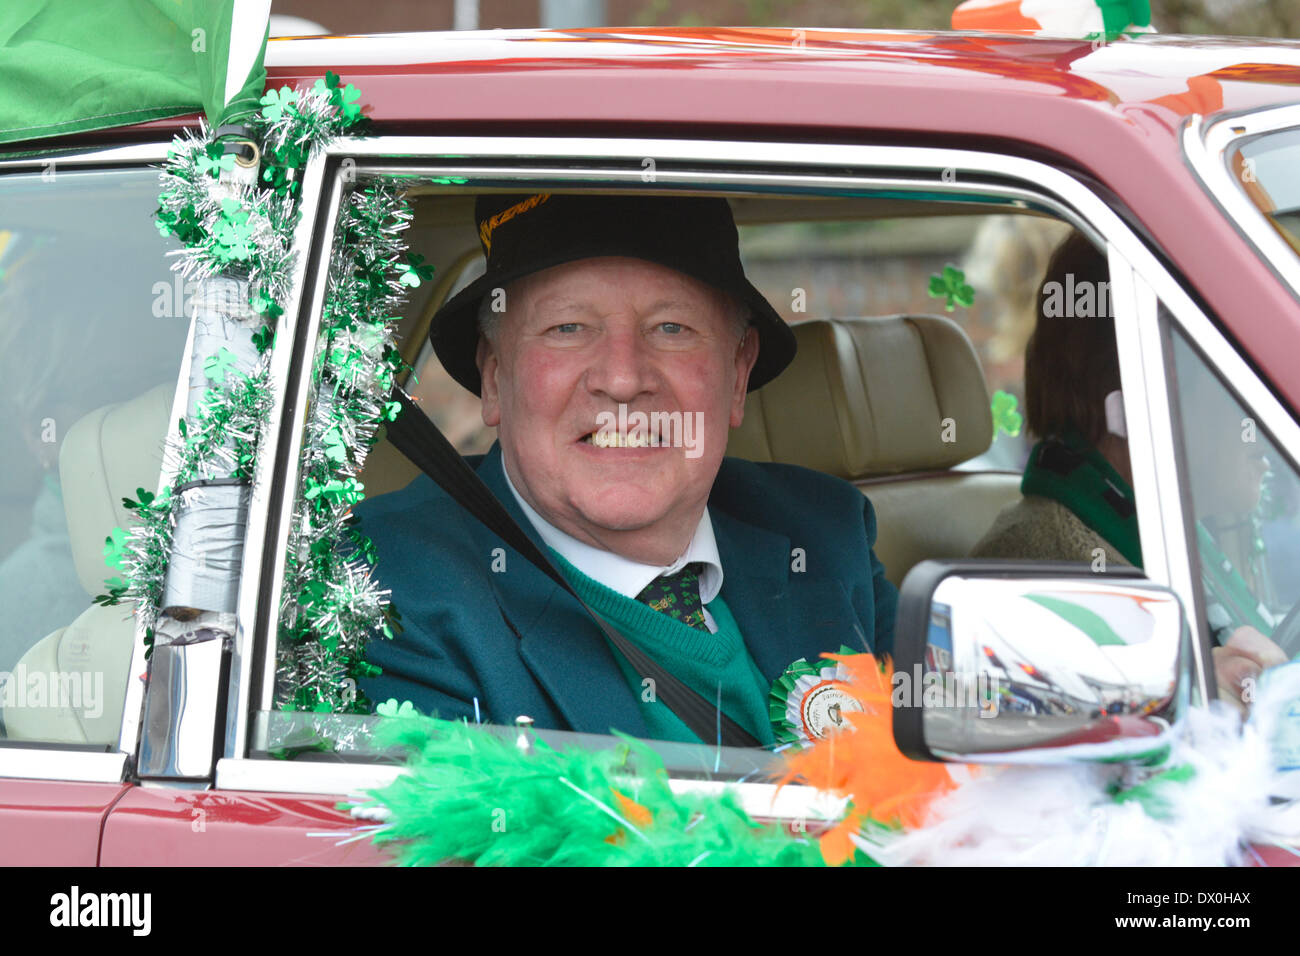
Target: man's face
{"type": "Point", "coordinates": [577, 341]}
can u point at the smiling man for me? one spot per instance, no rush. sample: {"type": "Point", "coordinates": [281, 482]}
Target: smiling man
{"type": "Point", "coordinates": [613, 341]}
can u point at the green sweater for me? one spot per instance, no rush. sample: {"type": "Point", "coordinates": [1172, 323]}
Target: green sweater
{"type": "Point", "coordinates": [701, 660]}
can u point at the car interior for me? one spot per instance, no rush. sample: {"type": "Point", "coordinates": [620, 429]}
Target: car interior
{"type": "Point", "coordinates": [896, 402]}
{"type": "Point", "coordinates": [866, 398]}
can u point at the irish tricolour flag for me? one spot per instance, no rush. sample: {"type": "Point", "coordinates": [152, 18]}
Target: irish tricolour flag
{"type": "Point", "coordinates": [1076, 18]}
{"type": "Point", "coordinates": [67, 66]}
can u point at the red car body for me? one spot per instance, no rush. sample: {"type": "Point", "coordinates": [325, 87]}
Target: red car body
{"type": "Point", "coordinates": [1116, 122]}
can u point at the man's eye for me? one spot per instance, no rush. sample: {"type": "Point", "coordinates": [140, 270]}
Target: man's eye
{"type": "Point", "coordinates": [672, 328]}
{"type": "Point", "coordinates": [566, 327]}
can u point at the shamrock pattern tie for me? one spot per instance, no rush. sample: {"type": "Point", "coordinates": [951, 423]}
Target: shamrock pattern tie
{"type": "Point", "coordinates": [678, 596]}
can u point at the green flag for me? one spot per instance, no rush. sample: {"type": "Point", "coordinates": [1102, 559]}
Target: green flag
{"type": "Point", "coordinates": [67, 66]}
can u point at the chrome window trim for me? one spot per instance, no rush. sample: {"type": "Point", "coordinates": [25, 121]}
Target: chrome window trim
{"type": "Point", "coordinates": [250, 603]}
{"type": "Point", "coordinates": [350, 779]}
{"type": "Point", "coordinates": [57, 764]}
{"type": "Point", "coordinates": [1160, 514]}
{"type": "Point", "coordinates": [1138, 333]}
{"type": "Point", "coordinates": [1234, 374]}
{"type": "Point", "coordinates": [30, 763]}
{"type": "Point", "coordinates": [1206, 148]}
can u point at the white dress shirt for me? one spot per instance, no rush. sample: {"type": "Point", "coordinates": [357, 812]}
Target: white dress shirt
{"type": "Point", "coordinates": [629, 578]}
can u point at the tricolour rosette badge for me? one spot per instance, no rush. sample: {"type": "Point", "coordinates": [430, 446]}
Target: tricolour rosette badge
{"type": "Point", "coordinates": [809, 702]}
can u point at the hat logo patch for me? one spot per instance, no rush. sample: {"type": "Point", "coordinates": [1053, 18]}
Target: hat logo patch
{"type": "Point", "coordinates": [486, 227]}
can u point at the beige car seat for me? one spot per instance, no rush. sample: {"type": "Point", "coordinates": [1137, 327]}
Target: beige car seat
{"type": "Point", "coordinates": [105, 457]}
{"type": "Point", "coordinates": [891, 404]}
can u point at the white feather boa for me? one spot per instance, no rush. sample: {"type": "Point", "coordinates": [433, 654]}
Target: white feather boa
{"type": "Point", "coordinates": [1067, 816]}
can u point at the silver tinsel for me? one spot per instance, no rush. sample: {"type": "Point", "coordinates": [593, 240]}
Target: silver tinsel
{"type": "Point", "coordinates": [245, 231]}
{"type": "Point", "coordinates": [332, 606]}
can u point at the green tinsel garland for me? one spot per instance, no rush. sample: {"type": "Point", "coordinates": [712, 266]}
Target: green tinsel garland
{"type": "Point", "coordinates": [245, 231]}
{"type": "Point", "coordinates": [332, 604]}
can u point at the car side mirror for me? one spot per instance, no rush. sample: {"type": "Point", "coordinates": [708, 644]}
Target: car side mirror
{"type": "Point", "coordinates": [1019, 662]}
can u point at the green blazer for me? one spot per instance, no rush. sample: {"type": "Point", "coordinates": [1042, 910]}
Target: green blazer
{"type": "Point", "coordinates": [481, 622]}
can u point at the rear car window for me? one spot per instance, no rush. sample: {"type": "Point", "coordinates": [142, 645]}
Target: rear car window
{"type": "Point", "coordinates": [92, 330]}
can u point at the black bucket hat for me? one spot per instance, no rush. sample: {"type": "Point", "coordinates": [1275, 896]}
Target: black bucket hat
{"type": "Point", "coordinates": [523, 234]}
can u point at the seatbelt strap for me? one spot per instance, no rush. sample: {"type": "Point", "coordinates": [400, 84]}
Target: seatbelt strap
{"type": "Point", "coordinates": [415, 435]}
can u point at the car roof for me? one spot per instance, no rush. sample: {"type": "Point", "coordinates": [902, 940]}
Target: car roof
{"type": "Point", "coordinates": [1180, 74]}
{"type": "Point", "coordinates": [1114, 113]}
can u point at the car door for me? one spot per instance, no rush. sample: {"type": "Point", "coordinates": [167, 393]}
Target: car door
{"type": "Point", "coordinates": [170, 814]}
{"type": "Point", "coordinates": [96, 337]}
{"type": "Point", "coordinates": [332, 759]}
{"type": "Point", "coordinates": [92, 337]}
{"type": "Point", "coordinates": [253, 808]}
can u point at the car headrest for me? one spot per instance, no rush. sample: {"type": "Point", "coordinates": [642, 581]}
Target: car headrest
{"type": "Point", "coordinates": [870, 397]}
{"type": "Point", "coordinates": [105, 457]}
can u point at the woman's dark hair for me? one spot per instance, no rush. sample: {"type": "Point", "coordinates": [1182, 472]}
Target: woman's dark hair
{"type": "Point", "coordinates": [1071, 363]}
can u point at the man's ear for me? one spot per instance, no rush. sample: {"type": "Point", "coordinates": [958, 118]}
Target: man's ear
{"type": "Point", "coordinates": [746, 356]}
{"type": "Point", "coordinates": [486, 359]}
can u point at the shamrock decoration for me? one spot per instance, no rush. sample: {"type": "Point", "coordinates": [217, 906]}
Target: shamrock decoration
{"type": "Point", "coordinates": [390, 708]}
{"type": "Point", "coordinates": [365, 547]}
{"type": "Point", "coordinates": [281, 176]}
{"type": "Point", "coordinates": [344, 99]}
{"type": "Point", "coordinates": [183, 224]}
{"type": "Point", "coordinates": [260, 301]}
{"type": "Point", "coordinates": [347, 102]}
{"type": "Point", "coordinates": [214, 160]}
{"type": "Point", "coordinates": [233, 233]}
{"type": "Point", "coordinates": [115, 549]}
{"type": "Point", "coordinates": [313, 593]}
{"type": "Point", "coordinates": [147, 499]}
{"type": "Point", "coordinates": [115, 554]}
{"type": "Point", "coordinates": [218, 366]}
{"type": "Point", "coordinates": [275, 102]}
{"type": "Point", "coordinates": [1005, 417]}
{"type": "Point", "coordinates": [415, 271]}
{"type": "Point", "coordinates": [336, 449]}
{"type": "Point", "coordinates": [346, 492]}
{"type": "Point", "coordinates": [263, 338]}
{"type": "Point", "coordinates": [951, 285]}
{"type": "Point", "coordinates": [116, 589]}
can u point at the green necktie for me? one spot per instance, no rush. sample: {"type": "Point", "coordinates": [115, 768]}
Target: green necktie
{"type": "Point", "coordinates": [678, 596]}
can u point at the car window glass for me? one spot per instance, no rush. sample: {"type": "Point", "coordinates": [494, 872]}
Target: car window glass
{"type": "Point", "coordinates": [811, 261]}
{"type": "Point", "coordinates": [452, 409]}
{"type": "Point", "coordinates": [1245, 503]}
{"type": "Point", "coordinates": [1264, 167]}
{"type": "Point", "coordinates": [1076, 501]}
{"type": "Point", "coordinates": [850, 268]}
{"type": "Point", "coordinates": [92, 331]}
